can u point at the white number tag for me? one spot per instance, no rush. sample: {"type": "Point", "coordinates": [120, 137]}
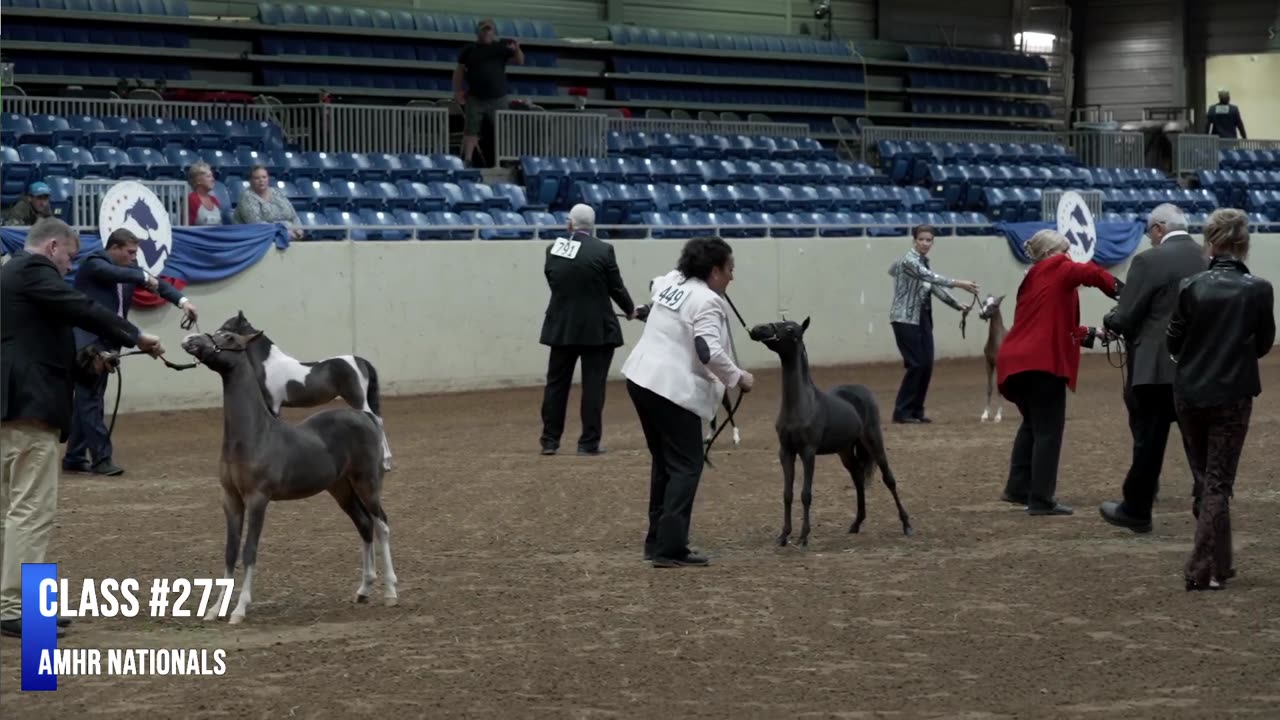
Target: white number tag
{"type": "Point", "coordinates": [565, 248]}
{"type": "Point", "coordinates": [672, 297]}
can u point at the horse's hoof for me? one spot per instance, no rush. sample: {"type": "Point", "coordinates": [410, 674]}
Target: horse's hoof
{"type": "Point", "coordinates": [853, 529]}
{"type": "Point", "coordinates": [804, 542]}
{"type": "Point", "coordinates": [236, 619]}
{"type": "Point", "coordinates": [908, 530]}
{"type": "Point", "coordinates": [782, 541]}
{"type": "Point", "coordinates": [361, 599]}
{"type": "Point", "coordinates": [391, 602]}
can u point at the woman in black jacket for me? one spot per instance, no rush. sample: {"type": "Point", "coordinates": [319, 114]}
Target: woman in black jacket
{"type": "Point", "coordinates": [1224, 321]}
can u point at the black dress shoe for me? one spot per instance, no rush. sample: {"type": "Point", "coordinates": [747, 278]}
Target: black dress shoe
{"type": "Point", "coordinates": [76, 467]}
{"type": "Point", "coordinates": [108, 468]}
{"type": "Point", "coordinates": [691, 560]}
{"type": "Point", "coordinates": [924, 419]}
{"type": "Point", "coordinates": [1057, 509]}
{"type": "Point", "coordinates": [1114, 513]}
{"type": "Point", "coordinates": [592, 451]}
{"type": "Point", "coordinates": [13, 628]}
{"type": "Point", "coordinates": [907, 421]}
{"type": "Point", "coordinates": [547, 450]}
{"type": "Point", "coordinates": [1006, 497]}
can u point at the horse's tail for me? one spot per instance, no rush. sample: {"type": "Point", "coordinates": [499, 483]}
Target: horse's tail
{"type": "Point", "coordinates": [372, 395]}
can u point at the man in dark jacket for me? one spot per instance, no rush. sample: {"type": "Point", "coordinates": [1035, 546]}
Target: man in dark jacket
{"type": "Point", "coordinates": [109, 277]}
{"type": "Point", "coordinates": [37, 363]}
{"type": "Point", "coordinates": [1142, 317]}
{"type": "Point", "coordinates": [583, 274]}
{"type": "Point", "coordinates": [1223, 119]}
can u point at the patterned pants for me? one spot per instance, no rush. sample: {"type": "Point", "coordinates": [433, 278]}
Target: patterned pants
{"type": "Point", "coordinates": [1214, 438]}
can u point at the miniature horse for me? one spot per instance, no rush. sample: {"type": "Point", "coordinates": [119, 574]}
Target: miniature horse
{"type": "Point", "coordinates": [265, 458]}
{"type": "Point", "coordinates": [844, 421]}
{"type": "Point", "coordinates": [995, 336]}
{"type": "Point", "coordinates": [290, 383]}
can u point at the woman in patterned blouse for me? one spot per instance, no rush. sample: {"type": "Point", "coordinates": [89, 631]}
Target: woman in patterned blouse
{"type": "Point", "coordinates": [262, 204]}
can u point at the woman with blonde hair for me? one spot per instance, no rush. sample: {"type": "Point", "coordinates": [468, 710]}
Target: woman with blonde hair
{"type": "Point", "coordinates": [202, 207]}
{"type": "Point", "coordinates": [1038, 362]}
{"type": "Point", "coordinates": [1223, 322]}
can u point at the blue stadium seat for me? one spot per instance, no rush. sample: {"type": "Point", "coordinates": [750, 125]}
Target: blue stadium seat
{"type": "Point", "coordinates": [379, 218]}
{"type": "Point", "coordinates": [83, 164]}
{"type": "Point", "coordinates": [61, 194]}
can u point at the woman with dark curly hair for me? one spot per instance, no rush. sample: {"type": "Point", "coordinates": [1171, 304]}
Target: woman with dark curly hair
{"type": "Point", "coordinates": [676, 375]}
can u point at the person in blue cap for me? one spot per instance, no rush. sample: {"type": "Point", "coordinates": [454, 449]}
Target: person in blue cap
{"type": "Point", "coordinates": [32, 207]}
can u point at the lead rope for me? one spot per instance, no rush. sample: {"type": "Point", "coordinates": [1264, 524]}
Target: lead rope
{"type": "Point", "coordinates": [706, 454]}
{"type": "Point", "coordinates": [186, 324]}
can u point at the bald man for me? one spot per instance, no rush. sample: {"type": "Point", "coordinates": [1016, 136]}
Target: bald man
{"type": "Point", "coordinates": [583, 275]}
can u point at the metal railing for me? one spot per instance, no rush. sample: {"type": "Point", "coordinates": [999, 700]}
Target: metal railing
{"type": "Point", "coordinates": [1193, 153]}
{"type": "Point", "coordinates": [563, 134]}
{"type": "Point", "coordinates": [699, 127]}
{"type": "Point", "coordinates": [1049, 200]}
{"type": "Point", "coordinates": [86, 200]}
{"type": "Point", "coordinates": [318, 127]}
{"type": "Point", "coordinates": [365, 128]}
{"type": "Point", "coordinates": [1094, 149]}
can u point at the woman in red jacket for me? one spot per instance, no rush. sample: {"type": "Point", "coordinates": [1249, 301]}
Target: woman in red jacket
{"type": "Point", "coordinates": [1039, 360]}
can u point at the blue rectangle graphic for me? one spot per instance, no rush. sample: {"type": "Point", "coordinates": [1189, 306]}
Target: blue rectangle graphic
{"type": "Point", "coordinates": [39, 632]}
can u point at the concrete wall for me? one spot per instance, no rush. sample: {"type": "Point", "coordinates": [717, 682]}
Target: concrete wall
{"type": "Point", "coordinates": [438, 316]}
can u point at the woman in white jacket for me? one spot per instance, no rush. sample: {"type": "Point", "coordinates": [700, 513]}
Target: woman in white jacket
{"type": "Point", "coordinates": [676, 375]}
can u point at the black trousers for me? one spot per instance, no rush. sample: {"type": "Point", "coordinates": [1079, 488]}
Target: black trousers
{"type": "Point", "coordinates": [1041, 397]}
{"type": "Point", "coordinates": [674, 436]}
{"type": "Point", "coordinates": [1151, 412]}
{"type": "Point", "coordinates": [555, 396]}
{"type": "Point", "coordinates": [915, 343]}
{"type": "Point", "coordinates": [88, 424]}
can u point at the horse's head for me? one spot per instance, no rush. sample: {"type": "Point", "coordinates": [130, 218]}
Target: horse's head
{"type": "Point", "coordinates": [239, 325]}
{"type": "Point", "coordinates": [990, 306]}
{"type": "Point", "coordinates": [219, 351]}
{"type": "Point", "coordinates": [784, 337]}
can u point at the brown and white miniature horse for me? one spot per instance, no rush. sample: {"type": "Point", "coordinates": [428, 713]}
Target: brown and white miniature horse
{"type": "Point", "coordinates": [995, 335]}
{"type": "Point", "coordinates": [264, 458]}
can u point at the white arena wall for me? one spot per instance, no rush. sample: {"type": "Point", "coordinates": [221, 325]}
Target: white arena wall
{"type": "Point", "coordinates": [459, 315]}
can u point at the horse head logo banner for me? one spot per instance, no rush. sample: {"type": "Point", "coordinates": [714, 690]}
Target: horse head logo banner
{"type": "Point", "coordinates": [132, 206]}
{"type": "Point", "coordinates": [1075, 222]}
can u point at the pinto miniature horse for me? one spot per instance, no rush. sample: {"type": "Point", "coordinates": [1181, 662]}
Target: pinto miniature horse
{"type": "Point", "coordinates": [995, 336]}
{"type": "Point", "coordinates": [265, 458]}
{"type": "Point", "coordinates": [844, 421]}
{"type": "Point", "coordinates": [287, 382]}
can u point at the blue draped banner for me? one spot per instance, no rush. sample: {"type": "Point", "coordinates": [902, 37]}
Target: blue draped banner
{"type": "Point", "coordinates": [200, 254]}
{"type": "Point", "coordinates": [1116, 240]}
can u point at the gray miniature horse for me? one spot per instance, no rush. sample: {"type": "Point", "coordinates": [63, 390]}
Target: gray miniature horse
{"type": "Point", "coordinates": [287, 382]}
{"type": "Point", "coordinates": [995, 336]}
{"type": "Point", "coordinates": [844, 421]}
{"type": "Point", "coordinates": [265, 458]}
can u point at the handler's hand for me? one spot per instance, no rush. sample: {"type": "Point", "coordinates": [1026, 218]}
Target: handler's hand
{"type": "Point", "coordinates": [968, 285]}
{"type": "Point", "coordinates": [151, 345]}
{"type": "Point", "coordinates": [746, 382]}
{"type": "Point", "coordinates": [190, 310]}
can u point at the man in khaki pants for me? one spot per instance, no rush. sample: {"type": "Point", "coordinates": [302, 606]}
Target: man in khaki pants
{"type": "Point", "coordinates": [38, 310]}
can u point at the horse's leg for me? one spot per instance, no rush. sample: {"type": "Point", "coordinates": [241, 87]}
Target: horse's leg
{"type": "Point", "coordinates": [882, 460]}
{"type": "Point", "coordinates": [233, 509]}
{"type": "Point", "coordinates": [986, 411]}
{"type": "Point", "coordinates": [806, 494]}
{"type": "Point", "coordinates": [728, 408]}
{"type": "Point", "coordinates": [999, 400]}
{"type": "Point", "coordinates": [366, 489]}
{"type": "Point", "coordinates": [256, 506]}
{"type": "Point", "coordinates": [788, 460]}
{"type": "Point", "coordinates": [347, 500]}
{"type": "Point", "coordinates": [858, 466]}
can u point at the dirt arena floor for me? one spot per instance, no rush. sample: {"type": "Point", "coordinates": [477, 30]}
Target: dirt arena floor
{"type": "Point", "coordinates": [524, 595]}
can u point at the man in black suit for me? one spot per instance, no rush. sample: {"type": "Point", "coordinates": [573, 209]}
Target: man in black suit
{"type": "Point", "coordinates": [1142, 318]}
{"type": "Point", "coordinates": [109, 277]}
{"type": "Point", "coordinates": [38, 361]}
{"type": "Point", "coordinates": [1223, 119]}
{"type": "Point", "coordinates": [583, 274]}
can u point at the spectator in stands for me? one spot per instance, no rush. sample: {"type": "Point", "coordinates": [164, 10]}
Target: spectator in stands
{"type": "Point", "coordinates": [1223, 321]}
{"type": "Point", "coordinates": [202, 207]}
{"type": "Point", "coordinates": [1224, 118]}
{"type": "Point", "coordinates": [483, 65]}
{"type": "Point", "coordinates": [262, 204]}
{"type": "Point", "coordinates": [32, 207]}
{"type": "Point", "coordinates": [911, 315]}
{"type": "Point", "coordinates": [1038, 362]}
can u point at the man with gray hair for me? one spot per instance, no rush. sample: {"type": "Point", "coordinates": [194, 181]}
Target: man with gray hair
{"type": "Point", "coordinates": [1223, 119]}
{"type": "Point", "coordinates": [38, 363]}
{"type": "Point", "coordinates": [1142, 317]}
{"type": "Point", "coordinates": [582, 272]}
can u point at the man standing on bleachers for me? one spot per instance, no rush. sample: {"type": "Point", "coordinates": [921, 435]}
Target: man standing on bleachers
{"type": "Point", "coordinates": [483, 64]}
{"type": "Point", "coordinates": [1224, 118]}
{"type": "Point", "coordinates": [31, 208]}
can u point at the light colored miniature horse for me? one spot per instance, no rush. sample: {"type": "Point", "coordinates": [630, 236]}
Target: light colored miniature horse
{"type": "Point", "coordinates": [287, 382]}
{"type": "Point", "coordinates": [995, 336]}
{"type": "Point", "coordinates": [265, 458]}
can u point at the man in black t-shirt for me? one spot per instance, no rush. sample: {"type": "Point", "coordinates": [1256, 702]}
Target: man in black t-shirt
{"type": "Point", "coordinates": [483, 65]}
